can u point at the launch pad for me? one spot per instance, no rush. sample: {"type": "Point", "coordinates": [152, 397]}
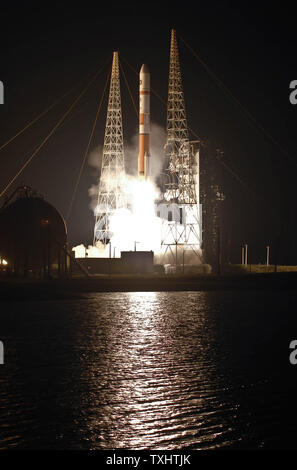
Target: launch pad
{"type": "Point", "coordinates": [127, 213]}
{"type": "Point", "coordinates": [130, 262]}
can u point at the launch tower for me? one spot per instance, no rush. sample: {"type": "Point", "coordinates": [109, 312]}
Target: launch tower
{"type": "Point", "coordinates": [110, 193]}
{"type": "Point", "coordinates": [181, 185]}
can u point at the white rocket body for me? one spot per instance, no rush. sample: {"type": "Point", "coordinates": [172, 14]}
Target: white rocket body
{"type": "Point", "coordinates": [144, 122]}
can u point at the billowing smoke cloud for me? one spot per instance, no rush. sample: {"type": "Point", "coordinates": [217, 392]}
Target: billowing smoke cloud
{"type": "Point", "coordinates": [184, 257]}
{"type": "Point", "coordinates": [95, 158]}
{"type": "Point", "coordinates": [95, 161]}
{"type": "Point", "coordinates": [139, 223]}
{"type": "Point", "coordinates": [158, 137]}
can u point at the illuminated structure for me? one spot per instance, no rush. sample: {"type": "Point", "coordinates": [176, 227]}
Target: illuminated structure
{"type": "Point", "coordinates": [110, 193]}
{"type": "Point", "coordinates": [182, 229]}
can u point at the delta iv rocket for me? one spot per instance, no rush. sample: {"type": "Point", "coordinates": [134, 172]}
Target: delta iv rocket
{"type": "Point", "coordinates": [144, 122]}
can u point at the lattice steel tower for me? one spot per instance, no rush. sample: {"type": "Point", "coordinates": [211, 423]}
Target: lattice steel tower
{"type": "Point", "coordinates": [181, 185]}
{"type": "Point", "coordinates": [110, 192]}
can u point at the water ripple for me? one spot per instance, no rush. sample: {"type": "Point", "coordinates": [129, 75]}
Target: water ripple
{"type": "Point", "coordinates": [139, 371]}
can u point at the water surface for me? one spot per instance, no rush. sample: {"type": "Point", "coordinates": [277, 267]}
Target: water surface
{"type": "Point", "coordinates": [146, 370]}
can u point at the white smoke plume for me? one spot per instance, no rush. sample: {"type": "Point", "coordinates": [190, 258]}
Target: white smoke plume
{"type": "Point", "coordinates": [138, 225]}
{"type": "Point", "coordinates": [157, 137]}
{"type": "Point", "coordinates": [95, 161]}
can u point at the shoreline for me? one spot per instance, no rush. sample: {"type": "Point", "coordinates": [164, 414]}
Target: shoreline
{"type": "Point", "coordinates": [28, 289]}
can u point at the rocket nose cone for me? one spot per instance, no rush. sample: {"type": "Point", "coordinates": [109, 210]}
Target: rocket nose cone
{"type": "Point", "coordinates": [144, 69]}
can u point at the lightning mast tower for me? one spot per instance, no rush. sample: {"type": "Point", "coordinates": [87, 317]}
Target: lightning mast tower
{"type": "Point", "coordinates": [181, 191]}
{"type": "Point", "coordinates": [110, 193]}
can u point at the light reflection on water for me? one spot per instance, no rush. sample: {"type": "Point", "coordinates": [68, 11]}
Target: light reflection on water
{"type": "Point", "coordinates": [160, 374]}
{"type": "Point", "coordinates": [142, 370]}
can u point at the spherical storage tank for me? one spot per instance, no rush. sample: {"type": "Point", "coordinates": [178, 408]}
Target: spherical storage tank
{"type": "Point", "coordinates": [33, 236]}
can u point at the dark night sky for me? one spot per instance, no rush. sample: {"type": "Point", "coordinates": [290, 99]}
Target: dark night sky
{"type": "Point", "coordinates": [47, 50]}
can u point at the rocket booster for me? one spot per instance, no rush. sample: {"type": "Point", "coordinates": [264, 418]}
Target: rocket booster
{"type": "Point", "coordinates": [144, 122]}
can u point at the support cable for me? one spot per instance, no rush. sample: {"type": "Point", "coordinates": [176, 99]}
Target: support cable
{"type": "Point", "coordinates": [129, 90]}
{"type": "Point", "coordinates": [226, 166]}
{"type": "Point", "coordinates": [87, 149]}
{"type": "Point", "coordinates": [37, 118]}
{"type": "Point", "coordinates": [237, 102]}
{"type": "Point", "coordinates": [44, 141]}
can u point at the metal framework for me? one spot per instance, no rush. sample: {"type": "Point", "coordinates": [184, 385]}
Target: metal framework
{"type": "Point", "coordinates": [181, 192]}
{"type": "Point", "coordinates": [110, 193]}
